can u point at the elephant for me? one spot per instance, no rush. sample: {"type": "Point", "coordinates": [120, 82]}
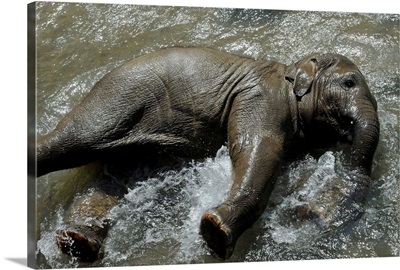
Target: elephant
{"type": "Point", "coordinates": [187, 102]}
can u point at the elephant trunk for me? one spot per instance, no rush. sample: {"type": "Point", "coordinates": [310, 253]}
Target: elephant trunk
{"type": "Point", "coordinates": [366, 136]}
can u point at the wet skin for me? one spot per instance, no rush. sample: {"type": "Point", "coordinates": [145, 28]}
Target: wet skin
{"type": "Point", "coordinates": [187, 102]}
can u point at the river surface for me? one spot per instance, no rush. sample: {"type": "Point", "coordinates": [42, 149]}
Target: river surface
{"type": "Point", "coordinates": [158, 219]}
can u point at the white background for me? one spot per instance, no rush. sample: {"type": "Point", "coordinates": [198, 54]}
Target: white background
{"type": "Point", "coordinates": [13, 131]}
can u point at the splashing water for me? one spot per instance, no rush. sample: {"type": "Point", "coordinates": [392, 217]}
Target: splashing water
{"type": "Point", "coordinates": [161, 215]}
{"type": "Point", "coordinates": [157, 220]}
{"type": "Point", "coordinates": [312, 206]}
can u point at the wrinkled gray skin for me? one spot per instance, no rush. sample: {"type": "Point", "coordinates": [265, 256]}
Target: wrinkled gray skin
{"type": "Point", "coordinates": [187, 102]}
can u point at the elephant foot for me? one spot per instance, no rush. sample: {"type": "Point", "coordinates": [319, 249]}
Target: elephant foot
{"type": "Point", "coordinates": [217, 235]}
{"type": "Point", "coordinates": [80, 242]}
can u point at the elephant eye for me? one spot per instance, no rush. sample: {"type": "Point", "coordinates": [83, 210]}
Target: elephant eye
{"type": "Point", "coordinates": [348, 82]}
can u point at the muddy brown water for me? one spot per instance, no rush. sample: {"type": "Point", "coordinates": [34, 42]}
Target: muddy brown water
{"type": "Point", "coordinates": [158, 218]}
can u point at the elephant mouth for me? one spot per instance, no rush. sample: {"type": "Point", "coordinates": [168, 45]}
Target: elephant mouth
{"type": "Point", "coordinates": [337, 130]}
{"type": "Point", "coordinates": [327, 135]}
{"type": "Point", "coordinates": [346, 136]}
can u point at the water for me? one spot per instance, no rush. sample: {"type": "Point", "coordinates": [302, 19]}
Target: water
{"type": "Point", "coordinates": [158, 218]}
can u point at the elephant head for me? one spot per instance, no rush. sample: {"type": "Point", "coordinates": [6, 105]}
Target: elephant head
{"type": "Point", "coordinates": [335, 104]}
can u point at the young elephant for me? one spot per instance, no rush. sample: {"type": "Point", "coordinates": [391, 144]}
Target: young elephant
{"type": "Point", "coordinates": [187, 102]}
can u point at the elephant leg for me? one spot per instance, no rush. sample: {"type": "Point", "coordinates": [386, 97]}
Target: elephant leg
{"type": "Point", "coordinates": [86, 226]}
{"type": "Point", "coordinates": [254, 172]}
{"type": "Point", "coordinates": [99, 125]}
{"type": "Point", "coordinates": [60, 149]}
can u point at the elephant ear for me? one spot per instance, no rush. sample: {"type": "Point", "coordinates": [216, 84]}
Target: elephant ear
{"type": "Point", "coordinates": [302, 76]}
